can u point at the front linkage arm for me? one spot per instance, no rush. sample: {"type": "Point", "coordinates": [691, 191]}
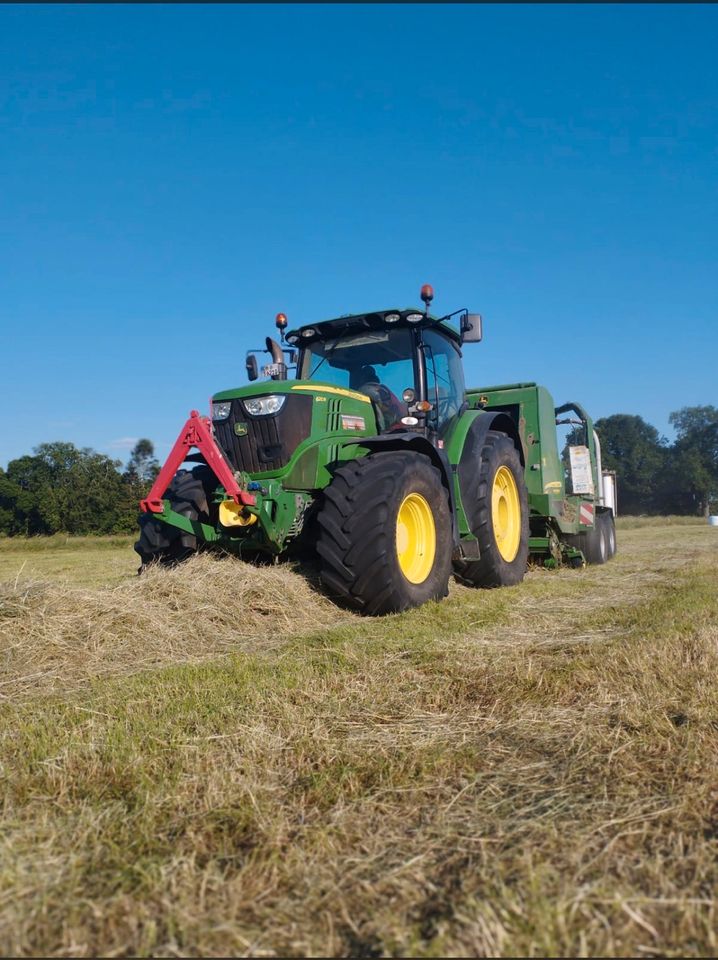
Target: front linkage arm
{"type": "Point", "coordinates": [197, 432]}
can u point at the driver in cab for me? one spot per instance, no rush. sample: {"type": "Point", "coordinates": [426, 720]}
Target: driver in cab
{"type": "Point", "coordinates": [390, 408]}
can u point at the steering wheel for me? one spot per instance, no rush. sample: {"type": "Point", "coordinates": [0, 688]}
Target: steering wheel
{"type": "Point", "coordinates": [388, 403]}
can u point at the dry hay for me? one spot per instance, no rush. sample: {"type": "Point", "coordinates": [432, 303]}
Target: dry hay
{"type": "Point", "coordinates": [54, 636]}
{"type": "Point", "coordinates": [466, 779]}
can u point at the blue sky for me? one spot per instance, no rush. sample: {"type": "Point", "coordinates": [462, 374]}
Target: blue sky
{"type": "Point", "coordinates": [173, 176]}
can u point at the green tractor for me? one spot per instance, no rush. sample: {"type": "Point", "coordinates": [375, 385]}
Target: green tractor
{"type": "Point", "coordinates": [377, 461]}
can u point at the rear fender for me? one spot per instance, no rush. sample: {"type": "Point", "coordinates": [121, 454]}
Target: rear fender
{"type": "Point", "coordinates": [473, 427]}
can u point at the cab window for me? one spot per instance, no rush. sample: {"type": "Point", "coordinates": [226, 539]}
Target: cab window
{"type": "Point", "coordinates": [444, 375]}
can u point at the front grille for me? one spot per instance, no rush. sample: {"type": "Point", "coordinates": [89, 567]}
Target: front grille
{"type": "Point", "coordinates": [270, 441]}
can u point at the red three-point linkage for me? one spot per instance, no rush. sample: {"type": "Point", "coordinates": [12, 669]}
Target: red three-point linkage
{"type": "Point", "coordinates": [195, 433]}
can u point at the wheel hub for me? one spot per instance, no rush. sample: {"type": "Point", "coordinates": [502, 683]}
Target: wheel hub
{"type": "Point", "coordinates": [506, 514]}
{"type": "Point", "coordinates": [415, 538]}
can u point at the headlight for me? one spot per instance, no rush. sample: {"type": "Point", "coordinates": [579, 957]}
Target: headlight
{"type": "Point", "coordinates": [391, 318]}
{"type": "Point", "coordinates": [220, 411]}
{"type": "Point", "coordinates": [262, 406]}
{"type": "Point", "coordinates": [414, 317]}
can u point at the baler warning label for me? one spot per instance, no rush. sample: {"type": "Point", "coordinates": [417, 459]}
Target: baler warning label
{"type": "Point", "coordinates": [581, 477]}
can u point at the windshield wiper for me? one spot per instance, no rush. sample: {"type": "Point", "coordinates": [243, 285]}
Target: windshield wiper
{"type": "Point", "coordinates": [326, 356]}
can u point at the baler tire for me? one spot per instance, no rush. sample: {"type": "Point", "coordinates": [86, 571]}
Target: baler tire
{"type": "Point", "coordinates": [161, 543]}
{"type": "Point", "coordinates": [493, 569]}
{"type": "Point", "coordinates": [385, 538]}
{"type": "Point", "coordinates": [609, 526]}
{"type": "Point", "coordinates": [593, 542]}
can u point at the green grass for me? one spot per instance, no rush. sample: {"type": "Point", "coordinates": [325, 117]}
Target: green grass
{"type": "Point", "coordinates": [215, 760]}
{"type": "Point", "coordinates": [634, 523]}
{"type": "Point", "coordinates": [84, 560]}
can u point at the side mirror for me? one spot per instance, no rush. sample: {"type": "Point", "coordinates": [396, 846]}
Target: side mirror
{"type": "Point", "coordinates": [252, 369]}
{"type": "Point", "coordinates": [471, 328]}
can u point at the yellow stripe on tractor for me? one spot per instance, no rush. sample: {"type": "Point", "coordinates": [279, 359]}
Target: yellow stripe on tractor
{"type": "Point", "coordinates": [340, 391]}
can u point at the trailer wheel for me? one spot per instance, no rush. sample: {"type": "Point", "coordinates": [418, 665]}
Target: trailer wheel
{"type": "Point", "coordinates": [167, 545]}
{"type": "Point", "coordinates": [594, 542]}
{"type": "Point", "coordinates": [499, 517]}
{"type": "Point", "coordinates": [385, 533]}
{"type": "Point", "coordinates": [609, 526]}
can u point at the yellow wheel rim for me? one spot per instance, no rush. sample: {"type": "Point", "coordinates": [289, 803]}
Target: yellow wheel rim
{"type": "Point", "coordinates": [506, 514]}
{"type": "Point", "coordinates": [415, 538]}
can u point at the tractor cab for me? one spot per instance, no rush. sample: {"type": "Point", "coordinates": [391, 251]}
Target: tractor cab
{"type": "Point", "coordinates": [412, 374]}
{"type": "Point", "coordinates": [406, 361]}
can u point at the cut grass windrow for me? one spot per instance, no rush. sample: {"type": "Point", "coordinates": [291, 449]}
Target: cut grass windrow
{"type": "Point", "coordinates": [528, 771]}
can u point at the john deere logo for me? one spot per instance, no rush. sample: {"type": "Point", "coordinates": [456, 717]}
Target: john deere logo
{"type": "Point", "coordinates": [240, 429]}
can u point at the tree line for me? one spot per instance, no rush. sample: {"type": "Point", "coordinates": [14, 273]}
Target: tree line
{"type": "Point", "coordinates": [60, 488]}
{"type": "Point", "coordinates": [658, 477]}
{"type": "Point", "coordinates": [63, 489]}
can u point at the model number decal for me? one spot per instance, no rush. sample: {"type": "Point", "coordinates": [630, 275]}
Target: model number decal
{"type": "Point", "coordinates": [353, 423]}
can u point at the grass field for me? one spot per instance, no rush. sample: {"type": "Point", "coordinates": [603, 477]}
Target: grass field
{"type": "Point", "coordinates": [216, 760]}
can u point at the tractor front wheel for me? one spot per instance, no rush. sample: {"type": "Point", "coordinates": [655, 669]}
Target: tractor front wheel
{"type": "Point", "coordinates": [162, 543]}
{"type": "Point", "coordinates": [385, 533]}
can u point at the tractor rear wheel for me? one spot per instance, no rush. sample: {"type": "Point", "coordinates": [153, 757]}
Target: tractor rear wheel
{"type": "Point", "coordinates": [162, 543]}
{"type": "Point", "coordinates": [385, 537]}
{"type": "Point", "coordinates": [498, 516]}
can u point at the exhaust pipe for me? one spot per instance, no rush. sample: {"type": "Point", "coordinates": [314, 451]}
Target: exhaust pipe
{"type": "Point", "coordinates": [277, 359]}
{"type": "Point", "coordinates": [276, 351]}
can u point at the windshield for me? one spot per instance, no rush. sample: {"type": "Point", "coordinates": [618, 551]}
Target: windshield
{"type": "Point", "coordinates": [373, 356]}
{"type": "Point", "coordinates": [378, 363]}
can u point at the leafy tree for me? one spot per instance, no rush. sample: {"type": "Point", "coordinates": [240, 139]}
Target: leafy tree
{"type": "Point", "coordinates": [694, 462]}
{"type": "Point", "coordinates": [9, 493]}
{"type": "Point", "coordinates": [633, 448]}
{"type": "Point", "coordinates": [31, 479]}
{"type": "Point", "coordinates": [63, 488]}
{"type": "Point", "coordinates": [142, 465]}
{"type": "Point", "coordinates": [142, 468]}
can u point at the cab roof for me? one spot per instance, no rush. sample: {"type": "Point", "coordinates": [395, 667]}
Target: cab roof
{"type": "Point", "coordinates": [375, 320]}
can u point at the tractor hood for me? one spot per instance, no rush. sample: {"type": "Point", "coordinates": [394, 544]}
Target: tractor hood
{"type": "Point", "coordinates": [289, 387]}
{"type": "Point", "coordinates": [266, 428]}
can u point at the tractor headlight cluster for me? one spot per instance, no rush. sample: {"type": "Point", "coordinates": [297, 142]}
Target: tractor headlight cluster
{"type": "Point", "coordinates": [263, 406]}
{"type": "Point", "coordinates": [220, 410]}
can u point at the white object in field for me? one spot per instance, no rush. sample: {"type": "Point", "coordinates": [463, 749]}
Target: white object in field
{"type": "Point", "coordinates": [713, 521]}
{"type": "Point", "coordinates": [581, 479]}
{"type": "Point", "coordinates": [609, 490]}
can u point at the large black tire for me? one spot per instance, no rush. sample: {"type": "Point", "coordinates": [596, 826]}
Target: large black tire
{"type": "Point", "coordinates": [609, 526]}
{"type": "Point", "coordinates": [363, 521]}
{"type": "Point", "coordinates": [593, 543]}
{"type": "Point", "coordinates": [493, 568]}
{"type": "Point", "coordinates": [189, 495]}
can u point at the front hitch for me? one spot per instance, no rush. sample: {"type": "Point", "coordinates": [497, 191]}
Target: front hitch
{"type": "Point", "coordinates": [197, 432]}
